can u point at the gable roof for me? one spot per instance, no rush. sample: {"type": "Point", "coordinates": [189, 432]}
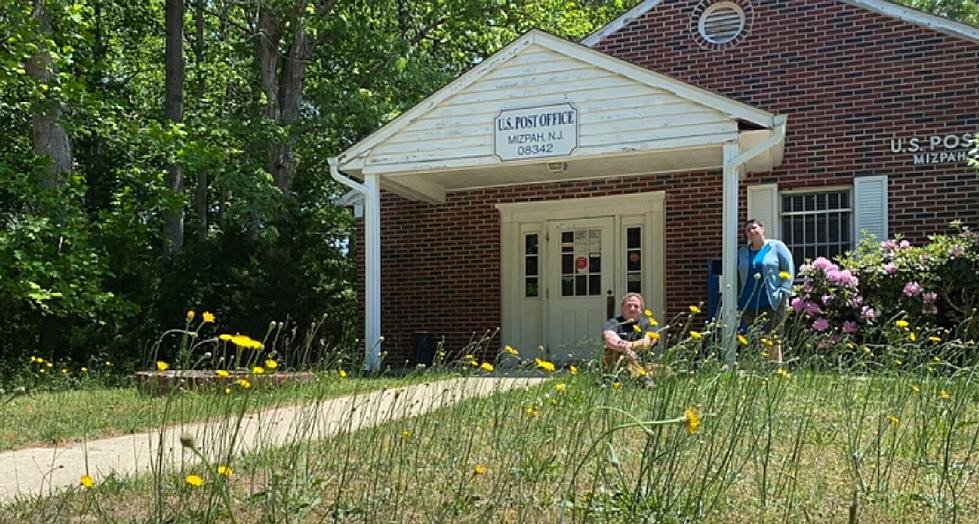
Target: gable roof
{"type": "Point", "coordinates": [732, 108]}
{"type": "Point", "coordinates": [900, 12]}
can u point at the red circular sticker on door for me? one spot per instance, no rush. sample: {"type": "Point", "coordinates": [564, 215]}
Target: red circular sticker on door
{"type": "Point", "coordinates": [581, 263]}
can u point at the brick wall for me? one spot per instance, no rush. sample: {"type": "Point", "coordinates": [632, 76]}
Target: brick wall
{"type": "Point", "coordinates": [850, 81]}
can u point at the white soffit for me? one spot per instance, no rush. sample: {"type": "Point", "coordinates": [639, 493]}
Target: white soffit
{"type": "Point", "coordinates": [900, 12]}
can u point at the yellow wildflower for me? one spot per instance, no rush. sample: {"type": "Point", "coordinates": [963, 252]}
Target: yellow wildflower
{"type": "Point", "coordinates": [190, 315]}
{"type": "Point", "coordinates": [767, 342]}
{"type": "Point", "coordinates": [479, 469]}
{"type": "Point", "coordinates": [912, 337]}
{"type": "Point", "coordinates": [207, 317]}
{"type": "Point", "coordinates": [616, 386]}
{"type": "Point", "coordinates": [782, 373]}
{"type": "Point", "coordinates": [84, 370]}
{"type": "Point", "coordinates": [486, 366]}
{"type": "Point", "coordinates": [653, 322]}
{"type": "Point", "coordinates": [944, 395]}
{"type": "Point", "coordinates": [86, 481]}
{"type": "Point", "coordinates": [784, 275]}
{"type": "Point", "coordinates": [227, 391]}
{"type": "Point", "coordinates": [222, 373]}
{"type": "Point", "coordinates": [49, 364]}
{"type": "Point", "coordinates": [915, 389]}
{"type": "Point", "coordinates": [509, 349]}
{"type": "Point", "coordinates": [692, 419]}
{"type": "Point", "coordinates": [225, 470]}
{"type": "Point", "coordinates": [341, 373]}
{"type": "Point", "coordinates": [64, 371]}
{"type": "Point", "coordinates": [696, 335]}
{"type": "Point", "coordinates": [224, 337]}
{"type": "Point", "coordinates": [934, 339]}
{"type": "Point", "coordinates": [531, 411]}
{"type": "Point", "coordinates": [545, 365]}
{"type": "Point", "coordinates": [636, 328]}
{"type": "Point", "coordinates": [194, 481]}
{"type": "Point", "coordinates": [652, 335]}
{"type": "Point", "coordinates": [405, 435]}
{"type": "Point", "coordinates": [903, 324]}
{"type": "Point", "coordinates": [743, 340]}
{"type": "Point", "coordinates": [695, 309]}
{"type": "Point", "coordinates": [560, 388]}
{"type": "Point", "coordinates": [245, 342]}
{"type": "Point", "coordinates": [162, 366]}
{"type": "Point", "coordinates": [258, 370]}
{"type": "Point", "coordinates": [108, 363]}
{"type": "Point", "coordinates": [573, 370]}
{"type": "Point", "coordinates": [244, 383]}
{"type": "Point", "coordinates": [892, 420]}
{"type": "Point", "coordinates": [271, 364]}
{"type": "Point", "coordinates": [648, 313]}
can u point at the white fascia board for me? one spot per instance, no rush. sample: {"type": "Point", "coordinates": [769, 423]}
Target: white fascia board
{"type": "Point", "coordinates": [913, 16]}
{"type": "Point", "coordinates": [626, 18]}
{"type": "Point", "coordinates": [723, 104]}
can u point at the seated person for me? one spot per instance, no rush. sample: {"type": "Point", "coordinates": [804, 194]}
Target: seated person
{"type": "Point", "coordinates": [626, 333]}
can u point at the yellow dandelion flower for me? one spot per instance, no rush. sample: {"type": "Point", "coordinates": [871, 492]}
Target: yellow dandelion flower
{"type": "Point", "coordinates": [616, 386]}
{"type": "Point", "coordinates": [892, 420]}
{"type": "Point", "coordinates": [545, 365]}
{"type": "Point", "coordinates": [573, 370]}
{"type": "Point", "coordinates": [84, 370]}
{"type": "Point", "coordinates": [225, 471]}
{"type": "Point", "coordinates": [42, 371]}
{"type": "Point", "coordinates": [341, 373]}
{"type": "Point", "coordinates": [903, 324]}
{"type": "Point", "coordinates": [934, 339]}
{"type": "Point", "coordinates": [162, 366]}
{"type": "Point", "coordinates": [696, 335]}
{"type": "Point", "coordinates": [915, 389]}
{"type": "Point", "coordinates": [108, 363]}
{"type": "Point", "coordinates": [560, 388]}
{"type": "Point", "coordinates": [222, 373]}
{"type": "Point", "coordinates": [479, 469]}
{"type": "Point", "coordinates": [405, 435]}
{"type": "Point", "coordinates": [194, 481]}
{"type": "Point", "coordinates": [912, 337]}
{"type": "Point", "coordinates": [207, 317]}
{"type": "Point", "coordinates": [258, 370]}
{"type": "Point", "coordinates": [227, 391]}
{"type": "Point", "coordinates": [898, 362]}
{"type": "Point", "coordinates": [86, 481]}
{"type": "Point", "coordinates": [49, 364]}
{"type": "Point", "coordinates": [768, 342]}
{"type": "Point", "coordinates": [224, 337]}
{"type": "Point", "coordinates": [64, 371]}
{"type": "Point", "coordinates": [244, 383]}
{"type": "Point", "coordinates": [782, 373]}
{"type": "Point", "coordinates": [510, 349]}
{"type": "Point", "coordinates": [694, 309]}
{"type": "Point", "coordinates": [652, 335]}
{"type": "Point", "coordinates": [636, 328]}
{"type": "Point", "coordinates": [36, 359]}
{"type": "Point", "coordinates": [531, 411]}
{"type": "Point", "coordinates": [784, 275]}
{"type": "Point", "coordinates": [468, 357]}
{"type": "Point", "coordinates": [271, 364]}
{"type": "Point", "coordinates": [648, 313]}
{"type": "Point", "coordinates": [653, 322]}
{"type": "Point", "coordinates": [743, 340]}
{"type": "Point", "coordinates": [691, 417]}
{"type": "Point", "coordinates": [944, 395]}
{"type": "Point", "coordinates": [486, 366]}
{"type": "Point", "coordinates": [868, 351]}
{"type": "Point", "coordinates": [190, 315]}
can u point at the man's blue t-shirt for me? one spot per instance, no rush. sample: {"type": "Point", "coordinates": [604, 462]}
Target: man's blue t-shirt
{"type": "Point", "coordinates": [753, 296]}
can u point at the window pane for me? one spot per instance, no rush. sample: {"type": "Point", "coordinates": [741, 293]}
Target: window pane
{"type": "Point", "coordinates": [634, 261]}
{"type": "Point", "coordinates": [567, 286]}
{"type": "Point", "coordinates": [567, 264]}
{"type": "Point", "coordinates": [580, 286]}
{"type": "Point", "coordinates": [633, 235]}
{"type": "Point", "coordinates": [530, 287]}
{"type": "Point", "coordinates": [594, 263]}
{"type": "Point", "coordinates": [567, 237]}
{"type": "Point", "coordinates": [595, 285]}
{"type": "Point", "coordinates": [530, 244]}
{"type": "Point", "coordinates": [816, 224]}
{"type": "Point", "coordinates": [634, 282]}
{"type": "Point", "coordinates": [531, 266]}
{"type": "Point", "coordinates": [833, 227]}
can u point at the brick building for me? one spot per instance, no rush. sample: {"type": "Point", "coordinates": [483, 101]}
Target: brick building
{"type": "Point", "coordinates": [537, 188]}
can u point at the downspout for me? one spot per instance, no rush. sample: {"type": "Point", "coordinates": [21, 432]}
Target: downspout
{"type": "Point", "coordinates": [733, 162]}
{"type": "Point", "coordinates": [372, 262]}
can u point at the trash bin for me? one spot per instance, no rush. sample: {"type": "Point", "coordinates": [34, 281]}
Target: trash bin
{"type": "Point", "coordinates": [423, 344]}
{"type": "Point", "coordinates": [714, 269]}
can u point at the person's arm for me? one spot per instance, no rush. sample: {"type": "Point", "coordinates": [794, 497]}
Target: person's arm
{"type": "Point", "coordinates": [785, 263]}
{"type": "Point", "coordinates": [614, 342]}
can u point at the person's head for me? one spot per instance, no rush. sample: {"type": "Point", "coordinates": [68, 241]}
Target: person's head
{"type": "Point", "coordinates": [754, 232]}
{"type": "Point", "coordinates": [632, 306]}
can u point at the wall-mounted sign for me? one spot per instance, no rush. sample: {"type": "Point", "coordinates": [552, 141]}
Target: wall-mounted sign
{"type": "Point", "coordinates": [536, 132]}
{"type": "Point", "coordinates": [937, 149]}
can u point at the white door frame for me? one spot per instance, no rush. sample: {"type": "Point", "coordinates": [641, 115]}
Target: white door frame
{"type": "Point", "coordinates": [522, 317]}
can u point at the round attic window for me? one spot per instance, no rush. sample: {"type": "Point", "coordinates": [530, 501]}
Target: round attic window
{"type": "Point", "coordinates": [721, 23]}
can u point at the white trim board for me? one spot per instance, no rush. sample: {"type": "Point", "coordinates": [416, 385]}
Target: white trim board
{"type": "Point", "coordinates": [906, 14]}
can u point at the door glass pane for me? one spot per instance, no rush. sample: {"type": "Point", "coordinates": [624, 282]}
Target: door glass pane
{"type": "Point", "coordinates": [581, 262]}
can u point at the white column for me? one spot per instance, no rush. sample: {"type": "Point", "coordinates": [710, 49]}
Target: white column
{"type": "Point", "coordinates": [372, 273]}
{"type": "Point", "coordinates": [729, 252]}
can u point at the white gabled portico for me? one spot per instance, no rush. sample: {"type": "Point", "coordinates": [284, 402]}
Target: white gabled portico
{"type": "Point", "coordinates": [547, 110]}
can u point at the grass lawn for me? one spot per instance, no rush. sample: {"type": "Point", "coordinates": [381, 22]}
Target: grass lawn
{"type": "Point", "coordinates": [768, 447]}
{"type": "Point", "coordinates": [49, 418]}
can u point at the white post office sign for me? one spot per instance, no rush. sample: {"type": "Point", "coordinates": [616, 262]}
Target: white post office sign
{"type": "Point", "coordinates": [536, 132]}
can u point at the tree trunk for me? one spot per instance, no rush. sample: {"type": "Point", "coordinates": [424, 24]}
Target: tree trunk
{"type": "Point", "coordinates": [200, 201]}
{"type": "Point", "coordinates": [50, 138]}
{"type": "Point", "coordinates": [173, 229]}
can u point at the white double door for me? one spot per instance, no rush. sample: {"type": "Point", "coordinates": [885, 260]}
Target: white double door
{"type": "Point", "coordinates": [580, 285]}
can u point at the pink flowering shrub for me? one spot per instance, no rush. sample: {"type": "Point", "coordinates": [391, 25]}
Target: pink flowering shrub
{"type": "Point", "coordinates": [830, 303]}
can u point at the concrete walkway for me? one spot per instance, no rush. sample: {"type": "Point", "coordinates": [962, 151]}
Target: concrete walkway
{"type": "Point", "coordinates": [32, 472]}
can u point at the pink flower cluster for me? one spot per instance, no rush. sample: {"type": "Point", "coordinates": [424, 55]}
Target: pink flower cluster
{"type": "Point", "coordinates": [832, 272]}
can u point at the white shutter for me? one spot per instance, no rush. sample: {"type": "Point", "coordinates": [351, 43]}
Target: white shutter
{"type": "Point", "coordinates": [870, 206]}
{"type": "Point", "coordinates": [763, 207]}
